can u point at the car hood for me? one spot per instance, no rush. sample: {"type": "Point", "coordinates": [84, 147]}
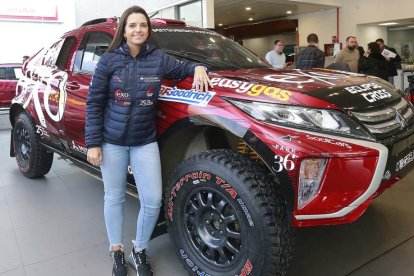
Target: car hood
{"type": "Point", "coordinates": [320, 88]}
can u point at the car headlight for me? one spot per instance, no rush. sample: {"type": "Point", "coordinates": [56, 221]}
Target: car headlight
{"type": "Point", "coordinates": [310, 178]}
{"type": "Point", "coordinates": [301, 117]}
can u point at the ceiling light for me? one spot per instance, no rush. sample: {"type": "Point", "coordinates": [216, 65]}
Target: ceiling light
{"type": "Point", "coordinates": [220, 24]}
{"type": "Point", "coordinates": [251, 19]}
{"type": "Point", "coordinates": [248, 8]}
{"type": "Point", "coordinates": [288, 12]}
{"type": "Point", "coordinates": [388, 23]}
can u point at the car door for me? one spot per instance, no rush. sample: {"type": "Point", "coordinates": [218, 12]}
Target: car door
{"type": "Point", "coordinates": [93, 45]}
{"type": "Point", "coordinates": [44, 86]}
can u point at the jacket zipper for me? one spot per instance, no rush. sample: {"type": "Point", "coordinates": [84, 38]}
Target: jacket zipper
{"type": "Point", "coordinates": [132, 103]}
{"type": "Point", "coordinates": [131, 97]}
{"type": "Point", "coordinates": [126, 76]}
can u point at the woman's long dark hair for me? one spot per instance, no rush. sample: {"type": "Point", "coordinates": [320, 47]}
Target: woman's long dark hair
{"type": "Point", "coordinates": [119, 35]}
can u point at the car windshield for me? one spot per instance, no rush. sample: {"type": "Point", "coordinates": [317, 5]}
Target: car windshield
{"type": "Point", "coordinates": [211, 48]}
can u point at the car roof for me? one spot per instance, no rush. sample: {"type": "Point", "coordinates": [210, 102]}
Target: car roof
{"type": "Point", "coordinates": [11, 65]}
{"type": "Point", "coordinates": [111, 23]}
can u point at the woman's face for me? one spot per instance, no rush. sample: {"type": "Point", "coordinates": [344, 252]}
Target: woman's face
{"type": "Point", "coordinates": [136, 29]}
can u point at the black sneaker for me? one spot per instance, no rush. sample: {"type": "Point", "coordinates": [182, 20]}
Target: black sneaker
{"type": "Point", "coordinates": [119, 268]}
{"type": "Point", "coordinates": [141, 262]}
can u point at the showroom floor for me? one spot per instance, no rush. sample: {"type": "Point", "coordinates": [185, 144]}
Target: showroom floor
{"type": "Point", "coordinates": [54, 226]}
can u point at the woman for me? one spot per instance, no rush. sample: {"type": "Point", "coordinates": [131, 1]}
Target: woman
{"type": "Point", "coordinates": [373, 63]}
{"type": "Point", "coordinates": [121, 129]}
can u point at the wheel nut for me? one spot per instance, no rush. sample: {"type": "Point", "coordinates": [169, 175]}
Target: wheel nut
{"type": "Point", "coordinates": [221, 232]}
{"type": "Point", "coordinates": [220, 220]}
{"type": "Point", "coordinates": [212, 233]}
{"type": "Point", "coordinates": [207, 221]}
{"type": "Point", "coordinates": [211, 215]}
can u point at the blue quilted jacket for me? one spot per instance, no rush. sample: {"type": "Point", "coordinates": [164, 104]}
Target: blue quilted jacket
{"type": "Point", "coordinates": [121, 105]}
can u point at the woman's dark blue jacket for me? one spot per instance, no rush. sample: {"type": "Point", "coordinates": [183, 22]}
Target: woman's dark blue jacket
{"type": "Point", "coordinates": [121, 104]}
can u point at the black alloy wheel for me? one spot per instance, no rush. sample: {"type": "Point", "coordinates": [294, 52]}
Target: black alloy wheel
{"type": "Point", "coordinates": [213, 226]}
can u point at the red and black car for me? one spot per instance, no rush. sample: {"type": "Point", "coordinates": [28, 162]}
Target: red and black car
{"type": "Point", "coordinates": [9, 75]}
{"type": "Point", "coordinates": [262, 152]}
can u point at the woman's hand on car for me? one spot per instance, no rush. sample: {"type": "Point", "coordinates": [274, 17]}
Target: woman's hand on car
{"type": "Point", "coordinates": [94, 156]}
{"type": "Point", "coordinates": [201, 80]}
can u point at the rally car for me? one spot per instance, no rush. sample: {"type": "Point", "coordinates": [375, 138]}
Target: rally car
{"type": "Point", "coordinates": [264, 151]}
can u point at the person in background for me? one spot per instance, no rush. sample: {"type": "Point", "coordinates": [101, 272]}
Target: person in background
{"type": "Point", "coordinates": [373, 63]}
{"type": "Point", "coordinates": [276, 57]}
{"type": "Point", "coordinates": [393, 63]}
{"type": "Point", "coordinates": [350, 54]}
{"type": "Point", "coordinates": [121, 129]}
{"type": "Point", "coordinates": [311, 56]}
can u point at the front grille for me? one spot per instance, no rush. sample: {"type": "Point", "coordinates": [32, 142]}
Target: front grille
{"type": "Point", "coordinates": [387, 121]}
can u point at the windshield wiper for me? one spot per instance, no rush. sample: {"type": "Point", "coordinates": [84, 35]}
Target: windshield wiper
{"type": "Point", "coordinates": [200, 58]}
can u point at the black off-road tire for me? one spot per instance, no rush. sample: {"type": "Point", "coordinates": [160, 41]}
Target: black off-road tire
{"type": "Point", "coordinates": [226, 216]}
{"type": "Point", "coordinates": [32, 158]}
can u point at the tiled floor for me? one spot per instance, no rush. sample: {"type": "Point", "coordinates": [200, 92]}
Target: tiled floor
{"type": "Point", "coordinates": [54, 226]}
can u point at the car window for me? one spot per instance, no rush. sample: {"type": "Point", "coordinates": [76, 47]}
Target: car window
{"type": "Point", "coordinates": [62, 59]}
{"type": "Point", "coordinates": [10, 75]}
{"type": "Point", "coordinates": [205, 46]}
{"type": "Point", "coordinates": [93, 46]}
{"type": "Point", "coordinates": [51, 55]}
{"type": "Point", "coordinates": [2, 73]}
{"type": "Point", "coordinates": [18, 72]}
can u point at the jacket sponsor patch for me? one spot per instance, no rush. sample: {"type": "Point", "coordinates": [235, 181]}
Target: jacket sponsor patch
{"type": "Point", "coordinates": [149, 78]}
{"type": "Point", "coordinates": [192, 96]}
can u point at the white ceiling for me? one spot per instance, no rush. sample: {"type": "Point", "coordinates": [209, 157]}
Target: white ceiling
{"type": "Point", "coordinates": [233, 12]}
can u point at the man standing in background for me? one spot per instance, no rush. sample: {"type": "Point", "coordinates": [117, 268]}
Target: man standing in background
{"type": "Point", "coordinates": [311, 56]}
{"type": "Point", "coordinates": [393, 63]}
{"type": "Point", "coordinates": [350, 54]}
{"type": "Point", "coordinates": [276, 57]}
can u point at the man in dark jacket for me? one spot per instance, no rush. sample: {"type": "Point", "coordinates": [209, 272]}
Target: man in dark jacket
{"type": "Point", "coordinates": [393, 63]}
{"type": "Point", "coordinates": [311, 56]}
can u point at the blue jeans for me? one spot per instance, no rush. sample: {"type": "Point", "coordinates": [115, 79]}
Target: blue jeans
{"type": "Point", "coordinates": [146, 168]}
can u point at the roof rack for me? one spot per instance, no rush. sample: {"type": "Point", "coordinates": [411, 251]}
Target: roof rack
{"type": "Point", "coordinates": [100, 20]}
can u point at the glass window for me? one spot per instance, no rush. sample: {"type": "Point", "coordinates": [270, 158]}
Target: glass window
{"type": "Point", "coordinates": [50, 56]}
{"type": "Point", "coordinates": [18, 72]}
{"type": "Point", "coordinates": [10, 75]}
{"type": "Point", "coordinates": [191, 13]}
{"type": "Point", "coordinates": [64, 52]}
{"type": "Point", "coordinates": [93, 46]}
{"type": "Point", "coordinates": [167, 13]}
{"type": "Point", "coordinates": [2, 73]}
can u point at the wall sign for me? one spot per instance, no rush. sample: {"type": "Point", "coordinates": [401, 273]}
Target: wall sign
{"type": "Point", "coordinates": [28, 11]}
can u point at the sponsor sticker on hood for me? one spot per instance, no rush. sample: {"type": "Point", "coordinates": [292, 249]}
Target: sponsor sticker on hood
{"type": "Point", "coordinates": [252, 89]}
{"type": "Point", "coordinates": [192, 96]}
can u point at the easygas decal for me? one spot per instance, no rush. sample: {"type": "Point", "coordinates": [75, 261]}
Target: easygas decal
{"type": "Point", "coordinates": [252, 89]}
{"type": "Point", "coordinates": [192, 96]}
{"type": "Point", "coordinates": [30, 90]}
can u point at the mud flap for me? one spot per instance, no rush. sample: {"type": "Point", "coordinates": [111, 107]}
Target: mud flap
{"type": "Point", "coordinates": [12, 154]}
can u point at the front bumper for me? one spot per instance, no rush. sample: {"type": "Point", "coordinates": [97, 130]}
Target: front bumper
{"type": "Point", "coordinates": [353, 177]}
